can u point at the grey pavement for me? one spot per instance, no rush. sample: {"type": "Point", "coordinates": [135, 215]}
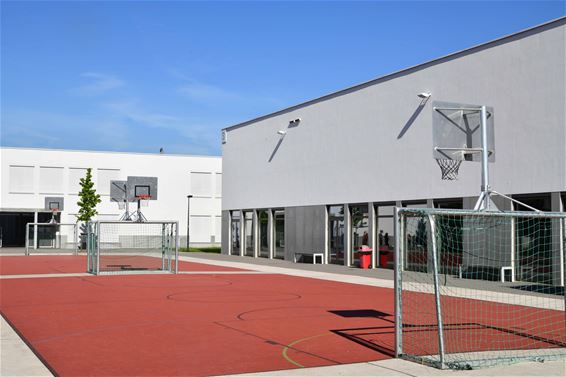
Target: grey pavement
{"type": "Point", "coordinates": [18, 360]}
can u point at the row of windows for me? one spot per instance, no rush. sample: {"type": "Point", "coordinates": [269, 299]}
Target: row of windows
{"type": "Point", "coordinates": [60, 180]}
{"type": "Point", "coordinates": [57, 180]}
{"type": "Point", "coordinates": [344, 238]}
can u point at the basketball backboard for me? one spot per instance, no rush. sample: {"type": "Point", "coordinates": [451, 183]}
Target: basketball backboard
{"type": "Point", "coordinates": [53, 203]}
{"type": "Point", "coordinates": [118, 191]}
{"type": "Point", "coordinates": [137, 186]}
{"type": "Point", "coordinates": [456, 131]}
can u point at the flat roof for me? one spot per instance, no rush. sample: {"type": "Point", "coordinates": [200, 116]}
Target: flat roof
{"type": "Point", "coordinates": [496, 42]}
{"type": "Point", "coordinates": [114, 152]}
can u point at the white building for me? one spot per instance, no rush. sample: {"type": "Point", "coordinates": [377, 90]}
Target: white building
{"type": "Point", "coordinates": [30, 175]}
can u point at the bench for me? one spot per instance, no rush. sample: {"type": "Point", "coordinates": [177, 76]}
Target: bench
{"type": "Point", "coordinates": [313, 255]}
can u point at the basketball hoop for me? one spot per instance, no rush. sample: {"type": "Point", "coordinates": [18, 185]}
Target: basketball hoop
{"type": "Point", "coordinates": [143, 200]}
{"type": "Point", "coordinates": [449, 168]}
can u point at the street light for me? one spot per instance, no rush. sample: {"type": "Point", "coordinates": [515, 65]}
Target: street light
{"type": "Point", "coordinates": [188, 218]}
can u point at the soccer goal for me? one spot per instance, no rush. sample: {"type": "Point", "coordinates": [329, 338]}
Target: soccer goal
{"type": "Point", "coordinates": [51, 238]}
{"type": "Point", "coordinates": [121, 247]}
{"type": "Point", "coordinates": [479, 288]}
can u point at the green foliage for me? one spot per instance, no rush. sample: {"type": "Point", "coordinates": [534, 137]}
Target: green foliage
{"type": "Point", "coordinates": [88, 198]}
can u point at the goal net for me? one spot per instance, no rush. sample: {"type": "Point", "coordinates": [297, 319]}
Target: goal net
{"type": "Point", "coordinates": [121, 247]}
{"type": "Point", "coordinates": [42, 238]}
{"type": "Point", "coordinates": [476, 289]}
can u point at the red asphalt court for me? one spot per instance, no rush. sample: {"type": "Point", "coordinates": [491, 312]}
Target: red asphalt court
{"type": "Point", "coordinates": [200, 325]}
{"type": "Point", "coordinates": [196, 325]}
{"type": "Point", "coordinates": [61, 264]}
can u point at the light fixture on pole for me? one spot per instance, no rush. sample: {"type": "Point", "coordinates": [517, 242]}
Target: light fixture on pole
{"type": "Point", "coordinates": [188, 219]}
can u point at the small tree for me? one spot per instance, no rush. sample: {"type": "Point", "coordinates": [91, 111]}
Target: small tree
{"type": "Point", "coordinates": [88, 198]}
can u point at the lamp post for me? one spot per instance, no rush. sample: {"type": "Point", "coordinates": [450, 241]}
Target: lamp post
{"type": "Point", "coordinates": [188, 218]}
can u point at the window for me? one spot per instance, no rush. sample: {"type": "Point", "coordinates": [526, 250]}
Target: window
{"type": "Point", "coordinates": [201, 184]}
{"type": "Point", "coordinates": [21, 179]}
{"type": "Point", "coordinates": [51, 180]}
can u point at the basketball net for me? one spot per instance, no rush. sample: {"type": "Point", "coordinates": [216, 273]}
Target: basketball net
{"type": "Point", "coordinates": [449, 168]}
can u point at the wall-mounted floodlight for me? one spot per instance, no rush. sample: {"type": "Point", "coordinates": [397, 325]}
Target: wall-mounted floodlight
{"type": "Point", "coordinates": [424, 95]}
{"type": "Point", "coordinates": [295, 122]}
{"type": "Point", "coordinates": [281, 132]}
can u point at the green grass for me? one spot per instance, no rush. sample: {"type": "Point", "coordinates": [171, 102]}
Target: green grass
{"type": "Point", "coordinates": [215, 250]}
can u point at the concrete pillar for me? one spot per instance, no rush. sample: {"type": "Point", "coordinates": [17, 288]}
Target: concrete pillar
{"type": "Point", "coordinates": [270, 233]}
{"type": "Point", "coordinates": [372, 233]}
{"type": "Point", "coordinates": [35, 220]}
{"type": "Point", "coordinates": [326, 237]}
{"type": "Point", "coordinates": [347, 236]}
{"type": "Point", "coordinates": [242, 233]}
{"type": "Point", "coordinates": [255, 233]}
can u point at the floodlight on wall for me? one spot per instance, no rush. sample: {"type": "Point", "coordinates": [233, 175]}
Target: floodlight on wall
{"type": "Point", "coordinates": [424, 95]}
{"type": "Point", "coordinates": [295, 122]}
{"type": "Point", "coordinates": [282, 132]}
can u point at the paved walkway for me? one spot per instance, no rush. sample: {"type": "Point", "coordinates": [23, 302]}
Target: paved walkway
{"type": "Point", "coordinates": [16, 359]}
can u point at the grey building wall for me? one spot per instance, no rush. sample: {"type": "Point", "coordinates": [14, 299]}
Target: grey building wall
{"type": "Point", "coordinates": [360, 145]}
{"type": "Point", "coordinates": [304, 230]}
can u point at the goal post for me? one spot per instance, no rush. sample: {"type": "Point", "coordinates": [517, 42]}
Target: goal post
{"type": "Point", "coordinates": [122, 247]}
{"type": "Point", "coordinates": [54, 238]}
{"type": "Point", "coordinates": [479, 288]}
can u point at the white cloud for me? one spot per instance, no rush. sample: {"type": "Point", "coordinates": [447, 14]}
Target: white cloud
{"type": "Point", "coordinates": [98, 83]}
{"type": "Point", "coordinates": [208, 93]}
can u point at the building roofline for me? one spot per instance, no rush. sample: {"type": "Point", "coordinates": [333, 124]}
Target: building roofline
{"type": "Point", "coordinates": [112, 152]}
{"type": "Point", "coordinates": [493, 43]}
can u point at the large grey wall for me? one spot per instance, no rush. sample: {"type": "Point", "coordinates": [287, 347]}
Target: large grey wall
{"type": "Point", "coordinates": [356, 147]}
{"type": "Point", "coordinates": [304, 230]}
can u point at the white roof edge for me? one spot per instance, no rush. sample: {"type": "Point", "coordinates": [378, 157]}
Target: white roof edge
{"type": "Point", "coordinates": [113, 152]}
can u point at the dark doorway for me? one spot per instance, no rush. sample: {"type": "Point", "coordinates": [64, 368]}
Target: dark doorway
{"type": "Point", "coordinates": [13, 228]}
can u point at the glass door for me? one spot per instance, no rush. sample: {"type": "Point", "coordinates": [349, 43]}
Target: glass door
{"type": "Point", "coordinates": [360, 227]}
{"type": "Point", "coordinates": [235, 230]}
{"type": "Point", "coordinates": [249, 233]}
{"type": "Point", "coordinates": [279, 219]}
{"type": "Point", "coordinates": [263, 216]}
{"type": "Point", "coordinates": [336, 234]}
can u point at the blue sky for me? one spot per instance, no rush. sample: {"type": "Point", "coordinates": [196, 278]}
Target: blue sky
{"type": "Point", "coordinates": [137, 76]}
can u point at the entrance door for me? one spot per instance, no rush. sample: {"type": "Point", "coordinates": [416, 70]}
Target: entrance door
{"type": "Point", "coordinates": [263, 233]}
{"type": "Point", "coordinates": [336, 234]}
{"type": "Point", "coordinates": [235, 230]}
{"type": "Point", "coordinates": [249, 242]}
{"type": "Point", "coordinates": [279, 218]}
{"type": "Point", "coordinates": [13, 228]}
{"type": "Point", "coordinates": [360, 230]}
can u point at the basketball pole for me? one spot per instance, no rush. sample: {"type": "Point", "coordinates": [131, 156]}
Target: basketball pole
{"type": "Point", "coordinates": [484, 200]}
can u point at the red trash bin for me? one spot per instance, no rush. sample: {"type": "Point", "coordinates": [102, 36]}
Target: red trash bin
{"type": "Point", "coordinates": [365, 256]}
{"type": "Point", "coordinates": [383, 256]}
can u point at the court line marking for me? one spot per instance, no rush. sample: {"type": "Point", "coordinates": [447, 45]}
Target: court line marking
{"type": "Point", "coordinates": [84, 274]}
{"type": "Point", "coordinates": [286, 348]}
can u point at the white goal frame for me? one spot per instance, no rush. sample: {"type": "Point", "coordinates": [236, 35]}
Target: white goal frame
{"type": "Point", "coordinates": [71, 244]}
{"type": "Point", "coordinates": [168, 248]}
{"type": "Point", "coordinates": [435, 288]}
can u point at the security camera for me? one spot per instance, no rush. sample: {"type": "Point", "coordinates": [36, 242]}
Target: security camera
{"type": "Point", "coordinates": [281, 132]}
{"type": "Point", "coordinates": [424, 95]}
